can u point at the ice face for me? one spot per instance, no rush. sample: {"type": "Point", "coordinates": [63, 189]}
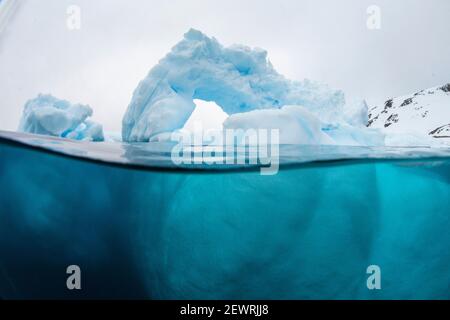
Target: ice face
{"type": "Point", "coordinates": [237, 78]}
{"type": "Point", "coordinates": [48, 115]}
{"type": "Point", "coordinates": [297, 125]}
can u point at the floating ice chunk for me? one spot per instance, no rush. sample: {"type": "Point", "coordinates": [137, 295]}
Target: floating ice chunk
{"type": "Point", "coordinates": [88, 130]}
{"type": "Point", "coordinates": [48, 115]}
{"type": "Point", "coordinates": [237, 78]}
{"type": "Point", "coordinates": [112, 136]}
{"type": "Point", "coordinates": [296, 125]}
{"type": "Point", "coordinates": [348, 135]}
{"type": "Point", "coordinates": [410, 139]}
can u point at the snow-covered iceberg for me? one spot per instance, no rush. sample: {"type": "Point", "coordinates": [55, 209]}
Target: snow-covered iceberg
{"type": "Point", "coordinates": [48, 115]}
{"type": "Point", "coordinates": [238, 79]}
{"type": "Point", "coordinates": [297, 125]}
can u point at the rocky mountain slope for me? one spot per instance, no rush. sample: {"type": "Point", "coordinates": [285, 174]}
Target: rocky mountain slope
{"type": "Point", "coordinates": [426, 113]}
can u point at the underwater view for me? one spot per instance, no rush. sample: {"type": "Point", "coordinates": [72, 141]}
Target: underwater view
{"type": "Point", "coordinates": [215, 151]}
{"type": "Point", "coordinates": [140, 228]}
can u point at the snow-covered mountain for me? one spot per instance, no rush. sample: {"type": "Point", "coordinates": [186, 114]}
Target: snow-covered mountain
{"type": "Point", "coordinates": [426, 113]}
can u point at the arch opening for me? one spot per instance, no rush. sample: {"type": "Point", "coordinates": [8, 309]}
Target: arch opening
{"type": "Point", "coordinates": [207, 115]}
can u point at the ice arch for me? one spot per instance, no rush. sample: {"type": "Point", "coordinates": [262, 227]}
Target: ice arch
{"type": "Point", "coordinates": [237, 78]}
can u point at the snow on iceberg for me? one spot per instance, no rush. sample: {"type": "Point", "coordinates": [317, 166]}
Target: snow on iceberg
{"type": "Point", "coordinates": [297, 125]}
{"type": "Point", "coordinates": [48, 115]}
{"type": "Point", "coordinates": [239, 79]}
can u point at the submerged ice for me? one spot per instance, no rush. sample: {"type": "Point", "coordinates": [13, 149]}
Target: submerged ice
{"type": "Point", "coordinates": [240, 80]}
{"type": "Point", "coordinates": [309, 232]}
{"type": "Point", "coordinates": [48, 115]}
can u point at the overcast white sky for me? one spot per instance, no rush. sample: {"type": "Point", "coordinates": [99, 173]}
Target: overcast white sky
{"type": "Point", "coordinates": [120, 40]}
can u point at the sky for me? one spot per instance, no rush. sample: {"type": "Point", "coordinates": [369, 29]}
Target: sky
{"type": "Point", "coordinates": [118, 42]}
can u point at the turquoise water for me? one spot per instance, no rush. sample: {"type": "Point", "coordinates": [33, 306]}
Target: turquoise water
{"type": "Point", "coordinates": [138, 228]}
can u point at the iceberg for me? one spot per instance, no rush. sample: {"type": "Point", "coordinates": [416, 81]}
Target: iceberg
{"type": "Point", "coordinates": [238, 79]}
{"type": "Point", "coordinates": [297, 125]}
{"type": "Point", "coordinates": [48, 115]}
